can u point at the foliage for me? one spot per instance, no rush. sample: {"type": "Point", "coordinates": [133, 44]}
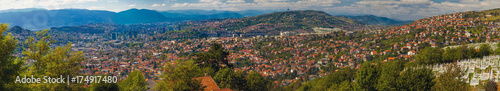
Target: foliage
{"type": "Point", "coordinates": [451, 80]}
{"type": "Point", "coordinates": [336, 80]}
{"type": "Point", "coordinates": [50, 61]}
{"type": "Point", "coordinates": [484, 50]}
{"type": "Point", "coordinates": [214, 58]}
{"type": "Point", "coordinates": [11, 66]}
{"type": "Point", "coordinates": [416, 79]}
{"type": "Point", "coordinates": [135, 82]}
{"type": "Point", "coordinates": [367, 76]}
{"type": "Point", "coordinates": [103, 86]}
{"type": "Point", "coordinates": [389, 74]}
{"type": "Point", "coordinates": [429, 56]}
{"type": "Point", "coordinates": [178, 77]}
{"type": "Point", "coordinates": [227, 78]}
{"type": "Point", "coordinates": [256, 82]}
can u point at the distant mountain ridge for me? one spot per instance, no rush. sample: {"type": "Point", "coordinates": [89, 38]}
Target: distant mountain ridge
{"type": "Point", "coordinates": [299, 21]}
{"type": "Point", "coordinates": [376, 20]}
{"type": "Point", "coordinates": [18, 30]}
{"type": "Point", "coordinates": [38, 19]}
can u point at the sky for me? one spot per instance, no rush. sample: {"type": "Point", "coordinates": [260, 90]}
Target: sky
{"type": "Point", "coordinates": [396, 9]}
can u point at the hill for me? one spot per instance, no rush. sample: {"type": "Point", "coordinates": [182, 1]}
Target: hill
{"type": "Point", "coordinates": [299, 21]}
{"type": "Point", "coordinates": [18, 30]}
{"type": "Point", "coordinates": [43, 19]}
{"type": "Point", "coordinates": [182, 17]}
{"type": "Point", "coordinates": [245, 13]}
{"type": "Point", "coordinates": [38, 19]}
{"type": "Point", "coordinates": [376, 20]}
{"type": "Point", "coordinates": [133, 16]}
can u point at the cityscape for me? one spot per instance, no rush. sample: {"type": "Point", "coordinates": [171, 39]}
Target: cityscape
{"type": "Point", "coordinates": [248, 50]}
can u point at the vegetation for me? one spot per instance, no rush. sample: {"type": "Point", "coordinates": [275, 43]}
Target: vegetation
{"type": "Point", "coordinates": [135, 82]}
{"type": "Point", "coordinates": [103, 86]}
{"type": "Point", "coordinates": [178, 77]}
{"type": "Point", "coordinates": [436, 55]}
{"type": "Point", "coordinates": [215, 58]}
{"type": "Point", "coordinates": [11, 66]}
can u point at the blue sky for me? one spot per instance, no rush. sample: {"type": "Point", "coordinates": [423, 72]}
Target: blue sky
{"type": "Point", "coordinates": [397, 9]}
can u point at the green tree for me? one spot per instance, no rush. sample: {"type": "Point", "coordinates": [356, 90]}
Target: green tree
{"type": "Point", "coordinates": [389, 74]}
{"type": "Point", "coordinates": [214, 58]}
{"type": "Point", "coordinates": [415, 79]}
{"type": "Point", "coordinates": [103, 86]}
{"type": "Point", "coordinates": [179, 77]}
{"type": "Point", "coordinates": [11, 66]}
{"type": "Point", "coordinates": [367, 76]}
{"type": "Point", "coordinates": [227, 78]}
{"type": "Point", "coordinates": [497, 50]}
{"type": "Point", "coordinates": [429, 56]}
{"type": "Point", "coordinates": [484, 50]}
{"type": "Point", "coordinates": [135, 82]}
{"type": "Point", "coordinates": [451, 80]}
{"type": "Point", "coordinates": [256, 82]}
{"type": "Point", "coordinates": [50, 61]}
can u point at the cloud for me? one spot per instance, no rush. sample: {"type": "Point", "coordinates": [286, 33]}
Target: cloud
{"type": "Point", "coordinates": [380, 2]}
{"type": "Point", "coordinates": [132, 5]}
{"type": "Point", "coordinates": [48, 4]}
{"type": "Point", "coordinates": [112, 1]}
{"type": "Point", "coordinates": [209, 1]}
{"type": "Point", "coordinates": [158, 5]}
{"type": "Point", "coordinates": [235, 1]}
{"type": "Point", "coordinates": [257, 4]}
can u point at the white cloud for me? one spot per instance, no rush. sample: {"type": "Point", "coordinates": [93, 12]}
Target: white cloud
{"type": "Point", "coordinates": [132, 5]}
{"type": "Point", "coordinates": [378, 2]}
{"type": "Point", "coordinates": [209, 1]}
{"type": "Point", "coordinates": [259, 4]}
{"type": "Point", "coordinates": [48, 4]}
{"type": "Point", "coordinates": [158, 5]}
{"type": "Point", "coordinates": [235, 1]}
{"type": "Point", "coordinates": [112, 1]}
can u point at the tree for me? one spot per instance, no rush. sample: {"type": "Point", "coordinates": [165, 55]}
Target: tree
{"type": "Point", "coordinates": [429, 56]}
{"type": "Point", "coordinates": [366, 76]}
{"type": "Point", "coordinates": [135, 82]}
{"type": "Point", "coordinates": [256, 82]}
{"type": "Point", "coordinates": [178, 77]}
{"type": "Point", "coordinates": [497, 50]}
{"type": "Point", "coordinates": [103, 86]}
{"type": "Point", "coordinates": [451, 80]}
{"type": "Point", "coordinates": [227, 78]}
{"type": "Point", "coordinates": [491, 86]}
{"type": "Point", "coordinates": [50, 61]}
{"type": "Point", "coordinates": [389, 74]}
{"type": "Point", "coordinates": [214, 58]}
{"type": "Point", "coordinates": [484, 50]}
{"type": "Point", "coordinates": [11, 66]}
{"type": "Point", "coordinates": [415, 79]}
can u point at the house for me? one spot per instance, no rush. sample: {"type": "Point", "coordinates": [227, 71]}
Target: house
{"type": "Point", "coordinates": [412, 52]}
{"type": "Point", "coordinates": [210, 84]}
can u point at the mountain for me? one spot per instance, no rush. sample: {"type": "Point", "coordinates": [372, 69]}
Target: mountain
{"type": "Point", "coordinates": [244, 13]}
{"type": "Point", "coordinates": [133, 16]}
{"type": "Point", "coordinates": [21, 10]}
{"type": "Point", "coordinates": [301, 21]}
{"type": "Point", "coordinates": [182, 17]}
{"type": "Point", "coordinates": [18, 30]}
{"type": "Point", "coordinates": [38, 19]}
{"type": "Point", "coordinates": [376, 20]}
{"type": "Point", "coordinates": [44, 19]}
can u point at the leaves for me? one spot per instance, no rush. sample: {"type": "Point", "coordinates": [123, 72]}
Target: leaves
{"type": "Point", "coordinates": [134, 82]}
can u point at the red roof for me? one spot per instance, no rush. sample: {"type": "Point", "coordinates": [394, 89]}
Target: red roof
{"type": "Point", "coordinates": [208, 82]}
{"type": "Point", "coordinates": [225, 89]}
